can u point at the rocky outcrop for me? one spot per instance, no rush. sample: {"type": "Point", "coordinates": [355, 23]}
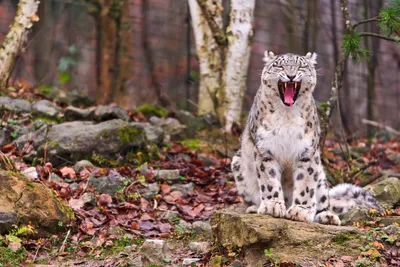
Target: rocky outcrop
{"type": "Point", "coordinates": [73, 141]}
{"type": "Point", "coordinates": [386, 191]}
{"type": "Point", "coordinates": [290, 241]}
{"type": "Point", "coordinates": [24, 202]}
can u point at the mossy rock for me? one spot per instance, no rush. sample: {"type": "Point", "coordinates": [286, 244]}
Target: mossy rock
{"type": "Point", "coordinates": [22, 202]}
{"type": "Point", "coordinates": [152, 110]}
{"type": "Point", "coordinates": [290, 240]}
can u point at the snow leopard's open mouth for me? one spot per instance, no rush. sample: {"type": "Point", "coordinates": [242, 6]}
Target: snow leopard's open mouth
{"type": "Point", "coordinates": [288, 92]}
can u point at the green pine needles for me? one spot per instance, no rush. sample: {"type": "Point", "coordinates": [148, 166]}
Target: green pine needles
{"type": "Point", "coordinates": [388, 23]}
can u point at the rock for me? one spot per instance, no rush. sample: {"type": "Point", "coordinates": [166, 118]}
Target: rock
{"type": "Point", "coordinates": [183, 157]}
{"type": "Point", "coordinates": [185, 189]}
{"type": "Point", "coordinates": [290, 240]}
{"type": "Point", "coordinates": [167, 215]}
{"type": "Point", "coordinates": [168, 175]}
{"type": "Point", "coordinates": [356, 214]}
{"type": "Point", "coordinates": [389, 220]}
{"type": "Point", "coordinates": [22, 202]}
{"type": "Point", "coordinates": [395, 158]}
{"type": "Point", "coordinates": [83, 164]}
{"type": "Point", "coordinates": [199, 247]}
{"type": "Point", "coordinates": [236, 264]}
{"type": "Point", "coordinates": [154, 251]}
{"type": "Point", "coordinates": [108, 184]}
{"type": "Point", "coordinates": [391, 230]}
{"type": "Point", "coordinates": [202, 227]}
{"type": "Point", "coordinates": [46, 109]}
{"type": "Point", "coordinates": [105, 113]}
{"type": "Point", "coordinates": [184, 225]}
{"type": "Point", "coordinates": [171, 127]}
{"type": "Point", "coordinates": [154, 134]}
{"type": "Point", "coordinates": [30, 173]}
{"type": "Point", "coordinates": [386, 191]}
{"type": "Point", "coordinates": [151, 190]}
{"type": "Point", "coordinates": [3, 137]}
{"type": "Point", "coordinates": [189, 261]}
{"type": "Point", "coordinates": [206, 160]}
{"type": "Point", "coordinates": [74, 114]}
{"type": "Point", "coordinates": [16, 106]}
{"type": "Point", "coordinates": [54, 177]}
{"type": "Point", "coordinates": [89, 198]}
{"type": "Point", "coordinates": [136, 262]}
{"type": "Point", "coordinates": [73, 141]}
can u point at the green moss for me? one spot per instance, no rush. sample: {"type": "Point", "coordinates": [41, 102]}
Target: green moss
{"type": "Point", "coordinates": [152, 110]}
{"type": "Point", "coordinates": [102, 161]}
{"type": "Point", "coordinates": [53, 143]}
{"type": "Point", "coordinates": [11, 258]}
{"type": "Point", "coordinates": [56, 120]}
{"type": "Point", "coordinates": [143, 155]}
{"type": "Point", "coordinates": [103, 134]}
{"type": "Point", "coordinates": [129, 134]}
{"type": "Point", "coordinates": [339, 240]}
{"type": "Point", "coordinates": [67, 210]}
{"type": "Point", "coordinates": [193, 144]}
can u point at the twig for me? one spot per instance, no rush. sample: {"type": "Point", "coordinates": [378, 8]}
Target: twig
{"type": "Point", "coordinates": [371, 34]}
{"type": "Point", "coordinates": [365, 21]}
{"type": "Point", "coordinates": [347, 155]}
{"type": "Point", "coordinates": [65, 240]}
{"type": "Point", "coordinates": [370, 180]}
{"type": "Point", "coordinates": [381, 126]}
{"type": "Point", "coordinates": [216, 30]}
{"type": "Point", "coordinates": [366, 166]}
{"type": "Point", "coordinates": [37, 251]}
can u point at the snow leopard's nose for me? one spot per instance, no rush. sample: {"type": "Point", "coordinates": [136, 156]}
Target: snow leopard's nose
{"type": "Point", "coordinates": [291, 78]}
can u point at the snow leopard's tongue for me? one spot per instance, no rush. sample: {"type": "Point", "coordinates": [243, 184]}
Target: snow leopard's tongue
{"type": "Point", "coordinates": [289, 93]}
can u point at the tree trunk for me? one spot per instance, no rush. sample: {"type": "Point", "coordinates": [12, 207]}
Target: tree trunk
{"type": "Point", "coordinates": [240, 32]}
{"type": "Point", "coordinates": [223, 56]}
{"type": "Point", "coordinates": [210, 58]}
{"type": "Point", "coordinates": [14, 41]}
{"type": "Point", "coordinates": [43, 44]}
{"type": "Point", "coordinates": [124, 52]}
{"type": "Point", "coordinates": [106, 35]}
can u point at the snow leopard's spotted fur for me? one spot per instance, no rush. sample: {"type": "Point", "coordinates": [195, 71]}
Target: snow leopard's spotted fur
{"type": "Point", "coordinates": [278, 169]}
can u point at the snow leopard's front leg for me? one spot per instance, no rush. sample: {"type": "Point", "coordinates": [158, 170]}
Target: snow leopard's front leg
{"type": "Point", "coordinates": [269, 181]}
{"type": "Point", "coordinates": [303, 206]}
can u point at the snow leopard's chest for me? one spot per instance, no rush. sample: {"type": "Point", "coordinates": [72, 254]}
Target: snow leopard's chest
{"type": "Point", "coordinates": [285, 136]}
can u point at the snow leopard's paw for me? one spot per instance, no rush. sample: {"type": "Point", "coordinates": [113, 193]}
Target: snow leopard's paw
{"type": "Point", "coordinates": [300, 213]}
{"type": "Point", "coordinates": [272, 207]}
{"type": "Point", "coordinates": [251, 209]}
{"type": "Point", "coordinates": [327, 217]}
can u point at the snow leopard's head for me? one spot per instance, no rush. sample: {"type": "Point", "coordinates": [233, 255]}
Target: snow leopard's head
{"type": "Point", "coordinates": [289, 76]}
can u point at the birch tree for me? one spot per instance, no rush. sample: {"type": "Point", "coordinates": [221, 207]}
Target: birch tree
{"type": "Point", "coordinates": [223, 56]}
{"type": "Point", "coordinates": [15, 39]}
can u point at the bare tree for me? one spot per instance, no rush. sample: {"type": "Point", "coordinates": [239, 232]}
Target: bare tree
{"type": "Point", "coordinates": [114, 47]}
{"type": "Point", "coordinates": [223, 56]}
{"type": "Point", "coordinates": [15, 40]}
{"type": "Point", "coordinates": [388, 21]}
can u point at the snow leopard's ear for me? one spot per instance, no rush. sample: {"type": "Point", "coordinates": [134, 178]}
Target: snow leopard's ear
{"type": "Point", "coordinates": [269, 57]}
{"type": "Point", "coordinates": [311, 58]}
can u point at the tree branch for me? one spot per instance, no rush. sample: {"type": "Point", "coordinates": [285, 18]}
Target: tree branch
{"type": "Point", "coordinates": [371, 34]}
{"type": "Point", "coordinates": [15, 39]}
{"type": "Point", "coordinates": [337, 80]}
{"type": "Point", "coordinates": [218, 34]}
{"type": "Point", "coordinates": [365, 21]}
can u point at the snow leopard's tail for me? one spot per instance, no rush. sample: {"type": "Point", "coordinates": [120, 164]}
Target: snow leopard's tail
{"type": "Point", "coordinates": [344, 197]}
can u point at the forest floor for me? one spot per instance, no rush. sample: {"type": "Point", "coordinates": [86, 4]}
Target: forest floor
{"type": "Point", "coordinates": [112, 230]}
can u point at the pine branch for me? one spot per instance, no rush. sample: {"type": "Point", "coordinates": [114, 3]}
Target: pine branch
{"type": "Point", "coordinates": [218, 34]}
{"type": "Point", "coordinates": [365, 21]}
{"type": "Point", "coordinates": [371, 34]}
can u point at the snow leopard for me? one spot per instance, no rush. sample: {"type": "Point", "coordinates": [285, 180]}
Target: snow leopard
{"type": "Point", "coordinates": [278, 169]}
